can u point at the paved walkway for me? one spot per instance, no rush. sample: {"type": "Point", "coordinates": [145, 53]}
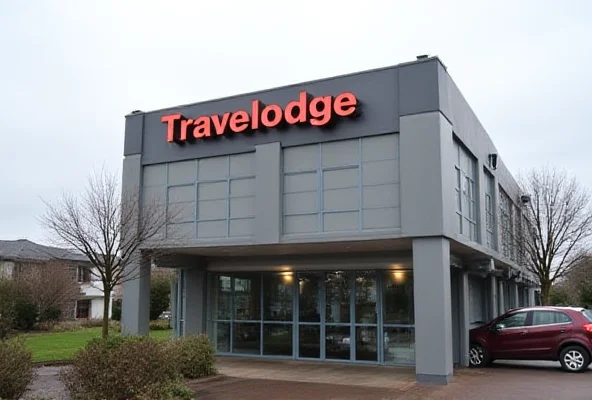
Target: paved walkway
{"type": "Point", "coordinates": [248, 379]}
{"type": "Point", "coordinates": [252, 379]}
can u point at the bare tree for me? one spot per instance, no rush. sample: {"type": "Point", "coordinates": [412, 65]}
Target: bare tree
{"type": "Point", "coordinates": [559, 225]}
{"type": "Point", "coordinates": [50, 284]}
{"type": "Point", "coordinates": [104, 224]}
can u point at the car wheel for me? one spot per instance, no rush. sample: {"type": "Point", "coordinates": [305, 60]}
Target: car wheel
{"type": "Point", "coordinates": [478, 356]}
{"type": "Point", "coordinates": [574, 359]}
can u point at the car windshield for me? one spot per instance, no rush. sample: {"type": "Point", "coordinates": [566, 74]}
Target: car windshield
{"type": "Point", "coordinates": [588, 315]}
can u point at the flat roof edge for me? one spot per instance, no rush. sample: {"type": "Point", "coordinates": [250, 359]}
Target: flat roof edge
{"type": "Point", "coordinates": [234, 96]}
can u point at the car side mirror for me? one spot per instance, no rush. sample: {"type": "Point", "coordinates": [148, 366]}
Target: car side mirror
{"type": "Point", "coordinates": [496, 328]}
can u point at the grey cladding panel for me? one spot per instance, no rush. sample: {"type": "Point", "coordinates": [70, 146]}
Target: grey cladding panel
{"type": "Point", "coordinates": [301, 158]}
{"type": "Point", "coordinates": [181, 194]}
{"type": "Point", "coordinates": [213, 168]}
{"type": "Point", "coordinates": [154, 175]}
{"type": "Point", "coordinates": [241, 227]}
{"type": "Point", "coordinates": [379, 172]}
{"type": "Point", "coordinates": [134, 127]}
{"type": "Point", "coordinates": [301, 224]}
{"type": "Point", "coordinates": [154, 195]}
{"type": "Point", "coordinates": [341, 199]}
{"type": "Point", "coordinates": [381, 196]}
{"type": "Point", "coordinates": [343, 221]}
{"type": "Point", "coordinates": [211, 229]}
{"type": "Point", "coordinates": [242, 165]}
{"type": "Point", "coordinates": [341, 178]}
{"type": "Point", "coordinates": [382, 218]}
{"type": "Point", "coordinates": [242, 187]}
{"type": "Point", "coordinates": [212, 190]}
{"type": "Point", "coordinates": [181, 231]}
{"type": "Point", "coordinates": [377, 148]}
{"type": "Point", "coordinates": [418, 88]}
{"type": "Point", "coordinates": [298, 203]}
{"type": "Point", "coordinates": [341, 153]}
{"type": "Point", "coordinates": [376, 90]}
{"type": "Point", "coordinates": [301, 182]}
{"type": "Point", "coordinates": [242, 207]}
{"type": "Point", "coordinates": [181, 212]}
{"type": "Point", "coordinates": [182, 172]}
{"type": "Point", "coordinates": [212, 209]}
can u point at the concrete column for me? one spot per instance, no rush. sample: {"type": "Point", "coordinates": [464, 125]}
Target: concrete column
{"type": "Point", "coordinates": [135, 311]}
{"type": "Point", "coordinates": [195, 300]}
{"type": "Point", "coordinates": [531, 297]}
{"type": "Point", "coordinates": [501, 296]}
{"type": "Point", "coordinates": [268, 195]}
{"type": "Point", "coordinates": [174, 311]}
{"type": "Point", "coordinates": [516, 301]}
{"type": "Point", "coordinates": [493, 301]}
{"type": "Point", "coordinates": [465, 316]}
{"type": "Point", "coordinates": [433, 319]}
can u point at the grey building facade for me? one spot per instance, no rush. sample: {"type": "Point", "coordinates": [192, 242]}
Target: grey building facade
{"type": "Point", "coordinates": [361, 218]}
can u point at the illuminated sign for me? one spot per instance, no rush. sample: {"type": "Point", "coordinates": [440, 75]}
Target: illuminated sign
{"type": "Point", "coordinates": [315, 111]}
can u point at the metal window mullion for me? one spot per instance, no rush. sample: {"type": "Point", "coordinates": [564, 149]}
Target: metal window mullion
{"type": "Point", "coordinates": [323, 322]}
{"type": "Point", "coordinates": [352, 316]}
{"type": "Point", "coordinates": [295, 315]}
{"type": "Point", "coordinates": [232, 311]}
{"type": "Point", "coordinates": [379, 318]}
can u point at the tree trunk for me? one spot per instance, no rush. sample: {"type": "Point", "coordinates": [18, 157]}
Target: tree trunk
{"type": "Point", "coordinates": [106, 301]}
{"type": "Point", "coordinates": [545, 293]}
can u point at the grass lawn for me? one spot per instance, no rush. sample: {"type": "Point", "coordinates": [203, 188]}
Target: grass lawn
{"type": "Point", "coordinates": [58, 346]}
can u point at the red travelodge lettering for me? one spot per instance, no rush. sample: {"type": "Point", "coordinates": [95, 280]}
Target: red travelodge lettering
{"type": "Point", "coordinates": [316, 111]}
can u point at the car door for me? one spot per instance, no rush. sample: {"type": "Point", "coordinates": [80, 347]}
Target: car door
{"type": "Point", "coordinates": [547, 330]}
{"type": "Point", "coordinates": [508, 338]}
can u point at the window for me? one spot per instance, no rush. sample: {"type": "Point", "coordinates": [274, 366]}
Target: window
{"type": "Point", "coordinates": [490, 223]}
{"type": "Point", "coordinates": [550, 317]}
{"type": "Point", "coordinates": [513, 321]}
{"type": "Point", "coordinates": [506, 225]}
{"type": "Point", "coordinates": [83, 274]}
{"type": "Point", "coordinates": [347, 185]}
{"type": "Point", "coordinates": [465, 192]}
{"type": "Point", "coordinates": [83, 309]}
{"type": "Point", "coordinates": [588, 315]}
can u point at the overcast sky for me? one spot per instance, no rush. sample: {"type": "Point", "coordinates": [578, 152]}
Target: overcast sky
{"type": "Point", "coordinates": [70, 71]}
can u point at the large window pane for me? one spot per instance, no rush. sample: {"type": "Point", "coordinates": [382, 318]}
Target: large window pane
{"type": "Point", "coordinates": [247, 292]}
{"type": "Point", "coordinates": [366, 297]}
{"type": "Point", "coordinates": [246, 338]}
{"type": "Point", "coordinates": [222, 336]}
{"type": "Point", "coordinates": [277, 340]}
{"type": "Point", "coordinates": [310, 341]}
{"type": "Point", "coordinates": [338, 296]}
{"type": "Point", "coordinates": [277, 296]}
{"type": "Point", "coordinates": [309, 299]}
{"type": "Point", "coordinates": [366, 343]}
{"type": "Point", "coordinates": [398, 297]}
{"type": "Point", "coordinates": [337, 342]}
{"type": "Point", "coordinates": [399, 345]}
{"type": "Point", "coordinates": [224, 297]}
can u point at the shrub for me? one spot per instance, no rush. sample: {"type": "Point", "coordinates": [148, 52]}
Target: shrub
{"type": "Point", "coordinates": [16, 368]}
{"type": "Point", "coordinates": [161, 325]}
{"type": "Point", "coordinates": [50, 314]}
{"type": "Point", "coordinates": [160, 297]}
{"type": "Point", "coordinates": [116, 310]}
{"type": "Point", "coordinates": [26, 314]}
{"type": "Point", "coordinates": [193, 356]}
{"type": "Point", "coordinates": [122, 367]}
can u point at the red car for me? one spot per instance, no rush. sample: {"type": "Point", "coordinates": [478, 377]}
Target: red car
{"type": "Point", "coordinates": [561, 334]}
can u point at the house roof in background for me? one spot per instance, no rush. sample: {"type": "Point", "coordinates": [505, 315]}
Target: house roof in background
{"type": "Point", "coordinates": [23, 249]}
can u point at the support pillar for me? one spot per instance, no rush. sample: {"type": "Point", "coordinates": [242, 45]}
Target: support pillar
{"type": "Point", "coordinates": [195, 300]}
{"type": "Point", "coordinates": [465, 323]}
{"type": "Point", "coordinates": [433, 317]}
{"type": "Point", "coordinates": [501, 297]}
{"type": "Point", "coordinates": [516, 302]}
{"type": "Point", "coordinates": [531, 297]}
{"type": "Point", "coordinates": [493, 301]}
{"type": "Point", "coordinates": [135, 306]}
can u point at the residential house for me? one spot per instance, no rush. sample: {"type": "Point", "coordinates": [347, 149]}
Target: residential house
{"type": "Point", "coordinates": [18, 255]}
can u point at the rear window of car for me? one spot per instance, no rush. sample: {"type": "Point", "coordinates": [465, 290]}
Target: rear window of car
{"type": "Point", "coordinates": [588, 315]}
